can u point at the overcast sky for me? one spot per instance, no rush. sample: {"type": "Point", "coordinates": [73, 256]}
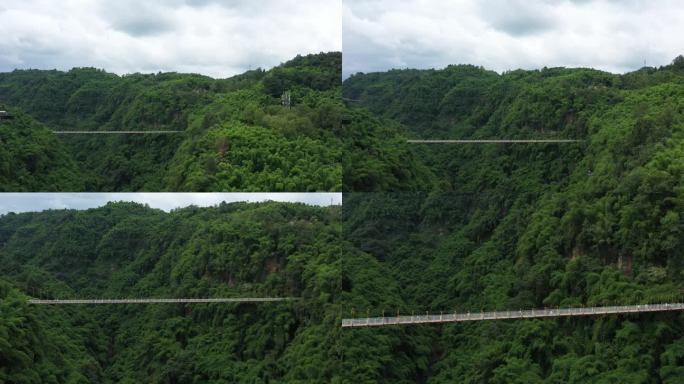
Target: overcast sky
{"type": "Point", "coordinates": [26, 202]}
{"type": "Point", "coordinates": [613, 35]}
{"type": "Point", "coordinates": [218, 38]}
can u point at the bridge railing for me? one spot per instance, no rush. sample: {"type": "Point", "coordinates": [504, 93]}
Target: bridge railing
{"type": "Point", "coordinates": [501, 315]}
{"type": "Point", "coordinates": [112, 132]}
{"type": "Point", "coordinates": [161, 300]}
{"type": "Point", "coordinates": [493, 141]}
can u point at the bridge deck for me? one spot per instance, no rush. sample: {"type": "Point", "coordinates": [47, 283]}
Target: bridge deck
{"type": "Point", "coordinates": [501, 315]}
{"type": "Point", "coordinates": [113, 132]}
{"type": "Point", "coordinates": [492, 141]}
{"type": "Point", "coordinates": [160, 301]}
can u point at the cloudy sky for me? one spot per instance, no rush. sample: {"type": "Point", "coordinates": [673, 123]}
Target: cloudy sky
{"type": "Point", "coordinates": [613, 35]}
{"type": "Point", "coordinates": [218, 38]}
{"type": "Point", "coordinates": [26, 202]}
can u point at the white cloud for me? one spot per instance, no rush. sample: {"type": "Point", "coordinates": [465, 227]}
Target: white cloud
{"type": "Point", "coordinates": [616, 36]}
{"type": "Point", "coordinates": [33, 202]}
{"type": "Point", "coordinates": [212, 37]}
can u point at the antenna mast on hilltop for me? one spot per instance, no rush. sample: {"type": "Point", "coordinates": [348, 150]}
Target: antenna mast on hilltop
{"type": "Point", "coordinates": [285, 99]}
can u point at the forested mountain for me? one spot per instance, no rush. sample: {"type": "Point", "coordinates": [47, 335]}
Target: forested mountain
{"type": "Point", "coordinates": [130, 250]}
{"type": "Point", "coordinates": [505, 227]}
{"type": "Point", "coordinates": [32, 158]}
{"type": "Point", "coordinates": [377, 158]}
{"type": "Point", "coordinates": [467, 102]}
{"type": "Point", "coordinates": [235, 134]}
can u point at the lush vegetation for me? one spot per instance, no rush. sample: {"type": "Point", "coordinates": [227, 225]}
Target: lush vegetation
{"type": "Point", "coordinates": [32, 159]}
{"type": "Point", "coordinates": [517, 226]}
{"type": "Point", "coordinates": [235, 134]}
{"type": "Point", "coordinates": [129, 250]}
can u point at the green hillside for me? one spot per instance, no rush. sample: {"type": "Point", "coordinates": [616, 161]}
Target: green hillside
{"type": "Point", "coordinates": [130, 250]}
{"type": "Point", "coordinates": [33, 159]}
{"type": "Point", "coordinates": [235, 134]}
{"type": "Point", "coordinates": [499, 226]}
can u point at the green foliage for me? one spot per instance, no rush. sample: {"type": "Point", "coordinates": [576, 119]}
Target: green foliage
{"type": "Point", "coordinates": [317, 72]}
{"type": "Point", "coordinates": [377, 157]}
{"type": "Point", "coordinates": [129, 250]}
{"type": "Point", "coordinates": [300, 146]}
{"type": "Point", "coordinates": [38, 347]}
{"type": "Point", "coordinates": [259, 148]}
{"type": "Point", "coordinates": [32, 159]}
{"type": "Point", "coordinates": [516, 226]}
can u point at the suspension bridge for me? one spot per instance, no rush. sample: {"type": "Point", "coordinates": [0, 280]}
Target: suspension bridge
{"type": "Point", "coordinates": [112, 132]}
{"type": "Point", "coordinates": [488, 141]}
{"type": "Point", "coordinates": [503, 315]}
{"type": "Point", "coordinates": [161, 301]}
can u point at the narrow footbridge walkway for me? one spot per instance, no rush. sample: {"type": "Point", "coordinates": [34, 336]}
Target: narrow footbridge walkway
{"type": "Point", "coordinates": [112, 132]}
{"type": "Point", "coordinates": [501, 315]}
{"type": "Point", "coordinates": [161, 301]}
{"type": "Point", "coordinates": [512, 141]}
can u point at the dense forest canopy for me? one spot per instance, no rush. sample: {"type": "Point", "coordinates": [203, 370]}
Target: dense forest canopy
{"type": "Point", "coordinates": [425, 228]}
{"type": "Point", "coordinates": [634, 112]}
{"type": "Point", "coordinates": [468, 101]}
{"type": "Point", "coordinates": [235, 134]}
{"type": "Point", "coordinates": [32, 158]}
{"type": "Point", "coordinates": [506, 227]}
{"type": "Point", "coordinates": [130, 250]}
